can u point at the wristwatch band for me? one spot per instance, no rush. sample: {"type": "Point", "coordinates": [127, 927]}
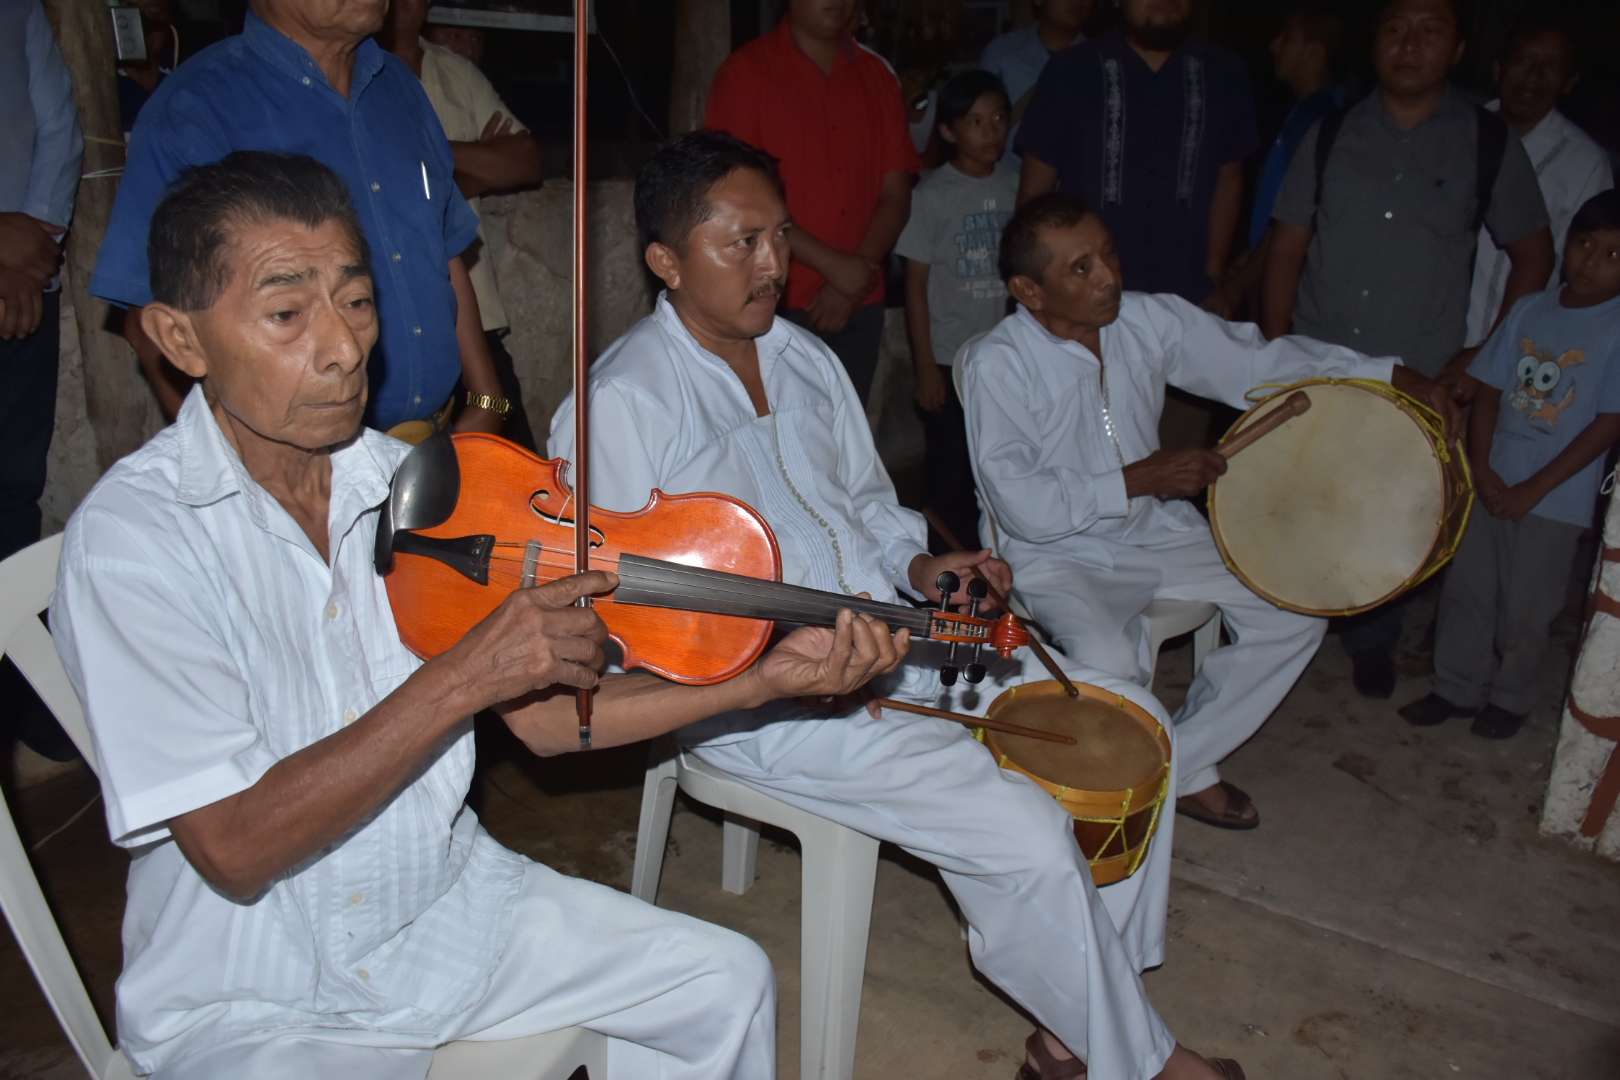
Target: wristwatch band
{"type": "Point", "coordinates": [493, 404]}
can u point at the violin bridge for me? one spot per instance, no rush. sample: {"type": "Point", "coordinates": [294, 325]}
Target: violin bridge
{"type": "Point", "coordinates": [531, 565]}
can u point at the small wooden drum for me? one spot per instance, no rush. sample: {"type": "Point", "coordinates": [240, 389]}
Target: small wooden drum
{"type": "Point", "coordinates": [1344, 506]}
{"type": "Point", "coordinates": [1113, 781]}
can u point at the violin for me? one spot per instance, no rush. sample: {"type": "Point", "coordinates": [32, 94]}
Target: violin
{"type": "Point", "coordinates": [471, 517]}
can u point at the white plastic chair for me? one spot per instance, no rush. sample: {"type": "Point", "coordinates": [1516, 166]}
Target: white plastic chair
{"type": "Point", "coordinates": [27, 580]}
{"type": "Point", "coordinates": [1165, 618]}
{"type": "Point", "coordinates": [839, 871]}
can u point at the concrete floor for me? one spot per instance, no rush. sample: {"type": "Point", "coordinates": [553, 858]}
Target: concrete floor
{"type": "Point", "coordinates": [1397, 915]}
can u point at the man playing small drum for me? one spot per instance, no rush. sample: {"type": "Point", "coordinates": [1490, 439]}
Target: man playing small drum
{"type": "Point", "coordinates": [1062, 401]}
{"type": "Point", "coordinates": [714, 392]}
{"type": "Point", "coordinates": [309, 895]}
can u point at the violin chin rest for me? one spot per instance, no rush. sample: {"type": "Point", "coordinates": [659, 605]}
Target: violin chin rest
{"type": "Point", "coordinates": [424, 493]}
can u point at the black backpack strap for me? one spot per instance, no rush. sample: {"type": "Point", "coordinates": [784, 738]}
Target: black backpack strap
{"type": "Point", "coordinates": [1491, 146]}
{"type": "Point", "coordinates": [1327, 132]}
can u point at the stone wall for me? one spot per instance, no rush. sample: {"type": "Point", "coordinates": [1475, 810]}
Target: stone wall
{"type": "Point", "coordinates": [530, 238]}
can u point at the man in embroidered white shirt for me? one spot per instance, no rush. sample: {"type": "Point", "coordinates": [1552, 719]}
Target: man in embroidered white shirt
{"type": "Point", "coordinates": [309, 896]}
{"type": "Point", "coordinates": [714, 392]}
{"type": "Point", "coordinates": [1062, 401]}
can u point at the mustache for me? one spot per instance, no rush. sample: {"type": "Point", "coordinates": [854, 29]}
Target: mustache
{"type": "Point", "coordinates": [772, 289]}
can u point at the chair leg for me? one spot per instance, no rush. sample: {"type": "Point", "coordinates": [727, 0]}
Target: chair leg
{"type": "Point", "coordinates": [657, 805]}
{"type": "Point", "coordinates": [1206, 639]}
{"type": "Point", "coordinates": [739, 853]}
{"type": "Point", "coordinates": [840, 871]}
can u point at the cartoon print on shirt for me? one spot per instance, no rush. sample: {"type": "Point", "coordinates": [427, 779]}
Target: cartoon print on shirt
{"type": "Point", "coordinates": [1538, 375]}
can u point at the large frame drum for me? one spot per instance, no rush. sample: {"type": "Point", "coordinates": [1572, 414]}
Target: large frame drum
{"type": "Point", "coordinates": [1113, 781]}
{"type": "Point", "coordinates": [1346, 505]}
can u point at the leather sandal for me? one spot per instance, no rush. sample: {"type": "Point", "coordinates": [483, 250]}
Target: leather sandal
{"type": "Point", "coordinates": [1234, 816]}
{"type": "Point", "coordinates": [1036, 1054]}
{"type": "Point", "coordinates": [1229, 1069]}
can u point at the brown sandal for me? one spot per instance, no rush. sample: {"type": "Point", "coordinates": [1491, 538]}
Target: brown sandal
{"type": "Point", "coordinates": [1036, 1054]}
{"type": "Point", "coordinates": [1234, 816]}
{"type": "Point", "coordinates": [1229, 1069]}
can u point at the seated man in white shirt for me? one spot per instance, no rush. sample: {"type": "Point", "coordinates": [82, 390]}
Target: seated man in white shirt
{"type": "Point", "coordinates": [713, 392]}
{"type": "Point", "coordinates": [1062, 401]}
{"type": "Point", "coordinates": [309, 896]}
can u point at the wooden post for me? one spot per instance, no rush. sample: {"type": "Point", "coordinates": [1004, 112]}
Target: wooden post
{"type": "Point", "coordinates": [702, 43]}
{"type": "Point", "coordinates": [115, 392]}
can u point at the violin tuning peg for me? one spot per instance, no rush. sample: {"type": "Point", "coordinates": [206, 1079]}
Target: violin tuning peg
{"type": "Point", "coordinates": [947, 583]}
{"type": "Point", "coordinates": [978, 588]}
{"type": "Point", "coordinates": [947, 675]}
{"type": "Point", "coordinates": [974, 673]}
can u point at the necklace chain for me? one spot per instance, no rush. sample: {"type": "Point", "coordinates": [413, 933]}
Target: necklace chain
{"type": "Point", "coordinates": [838, 550]}
{"type": "Point", "coordinates": [1108, 416]}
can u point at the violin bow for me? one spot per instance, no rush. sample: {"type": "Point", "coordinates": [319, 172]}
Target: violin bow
{"type": "Point", "coordinates": [582, 442]}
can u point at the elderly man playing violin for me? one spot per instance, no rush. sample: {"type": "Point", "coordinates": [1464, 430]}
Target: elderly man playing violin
{"type": "Point", "coordinates": [715, 392]}
{"type": "Point", "coordinates": [308, 894]}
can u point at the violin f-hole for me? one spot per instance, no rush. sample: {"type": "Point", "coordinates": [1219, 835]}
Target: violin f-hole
{"type": "Point", "coordinates": [598, 538]}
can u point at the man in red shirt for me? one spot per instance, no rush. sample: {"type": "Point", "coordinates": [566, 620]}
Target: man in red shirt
{"type": "Point", "coordinates": [831, 110]}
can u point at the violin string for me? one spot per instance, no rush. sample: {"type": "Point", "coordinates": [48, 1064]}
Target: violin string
{"type": "Point", "coordinates": [810, 606]}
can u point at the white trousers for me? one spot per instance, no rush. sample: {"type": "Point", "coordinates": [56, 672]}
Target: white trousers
{"type": "Point", "coordinates": [1096, 617]}
{"type": "Point", "coordinates": [1039, 928]}
{"type": "Point", "coordinates": [679, 999]}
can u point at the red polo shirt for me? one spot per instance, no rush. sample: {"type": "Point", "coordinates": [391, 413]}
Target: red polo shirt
{"type": "Point", "coordinates": [837, 135]}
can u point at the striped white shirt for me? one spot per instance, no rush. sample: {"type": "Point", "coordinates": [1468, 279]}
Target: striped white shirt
{"type": "Point", "coordinates": [208, 639]}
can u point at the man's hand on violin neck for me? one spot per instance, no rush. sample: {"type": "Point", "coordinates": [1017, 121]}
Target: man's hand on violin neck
{"type": "Point", "coordinates": [925, 570]}
{"type": "Point", "coordinates": [821, 661]}
{"type": "Point", "coordinates": [1173, 474]}
{"type": "Point", "coordinates": [537, 638]}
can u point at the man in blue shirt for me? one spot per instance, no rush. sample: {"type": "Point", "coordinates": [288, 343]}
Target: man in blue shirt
{"type": "Point", "coordinates": [40, 154]}
{"type": "Point", "coordinates": [304, 77]}
{"type": "Point", "coordinates": [1019, 56]}
{"type": "Point", "coordinates": [1303, 51]}
{"type": "Point", "coordinates": [1150, 126]}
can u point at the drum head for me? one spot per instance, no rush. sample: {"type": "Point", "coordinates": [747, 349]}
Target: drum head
{"type": "Point", "coordinates": [1112, 751]}
{"type": "Point", "coordinates": [1337, 509]}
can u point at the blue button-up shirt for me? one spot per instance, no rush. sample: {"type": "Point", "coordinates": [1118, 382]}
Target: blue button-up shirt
{"type": "Point", "coordinates": [1017, 58]}
{"type": "Point", "coordinates": [261, 91]}
{"type": "Point", "coordinates": [40, 144]}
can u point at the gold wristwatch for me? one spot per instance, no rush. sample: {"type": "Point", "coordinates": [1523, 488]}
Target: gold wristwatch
{"type": "Point", "coordinates": [498, 405]}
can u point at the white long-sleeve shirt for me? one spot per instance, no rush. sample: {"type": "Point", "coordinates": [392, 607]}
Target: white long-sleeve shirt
{"type": "Point", "coordinates": [668, 414]}
{"type": "Point", "coordinates": [1039, 411]}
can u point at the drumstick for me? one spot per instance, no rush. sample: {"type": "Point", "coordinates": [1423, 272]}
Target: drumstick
{"type": "Point", "coordinates": [976, 721]}
{"type": "Point", "coordinates": [1001, 600]}
{"type": "Point", "coordinates": [1291, 407]}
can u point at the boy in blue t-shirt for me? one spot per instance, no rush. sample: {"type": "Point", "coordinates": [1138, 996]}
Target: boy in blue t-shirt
{"type": "Point", "coordinates": [953, 288]}
{"type": "Point", "coordinates": [1546, 413]}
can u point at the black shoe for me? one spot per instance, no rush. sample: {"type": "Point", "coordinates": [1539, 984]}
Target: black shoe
{"type": "Point", "coordinates": [1432, 711]}
{"type": "Point", "coordinates": [1495, 722]}
{"type": "Point", "coordinates": [1374, 673]}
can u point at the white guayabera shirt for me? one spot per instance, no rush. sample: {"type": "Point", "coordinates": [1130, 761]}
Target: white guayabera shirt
{"type": "Point", "coordinates": [208, 640]}
{"type": "Point", "coordinates": [668, 414]}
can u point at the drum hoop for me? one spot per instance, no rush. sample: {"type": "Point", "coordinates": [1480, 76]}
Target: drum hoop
{"type": "Point", "coordinates": [1156, 789]}
{"type": "Point", "coordinates": [1445, 544]}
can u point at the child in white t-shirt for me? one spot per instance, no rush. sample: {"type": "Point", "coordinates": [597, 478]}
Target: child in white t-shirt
{"type": "Point", "coordinates": [1545, 415]}
{"type": "Point", "coordinates": [953, 288]}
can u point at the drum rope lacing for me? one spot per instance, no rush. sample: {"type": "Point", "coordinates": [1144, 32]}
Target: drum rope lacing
{"type": "Point", "coordinates": [1428, 418]}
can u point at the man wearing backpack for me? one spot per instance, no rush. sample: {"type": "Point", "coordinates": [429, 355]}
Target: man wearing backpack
{"type": "Point", "coordinates": [1375, 229]}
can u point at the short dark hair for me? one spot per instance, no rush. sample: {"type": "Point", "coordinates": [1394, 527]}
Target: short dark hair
{"type": "Point", "coordinates": [192, 226]}
{"type": "Point", "coordinates": [964, 89]}
{"type": "Point", "coordinates": [1325, 28]}
{"type": "Point", "coordinates": [1538, 21]}
{"type": "Point", "coordinates": [1459, 11]}
{"type": "Point", "coordinates": [1022, 253]}
{"type": "Point", "coordinates": [673, 186]}
{"type": "Point", "coordinates": [1601, 211]}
